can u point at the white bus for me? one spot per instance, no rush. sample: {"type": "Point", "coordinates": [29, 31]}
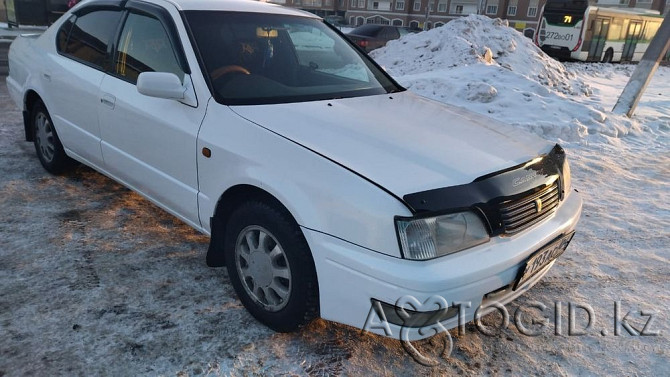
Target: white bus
{"type": "Point", "coordinates": [573, 30]}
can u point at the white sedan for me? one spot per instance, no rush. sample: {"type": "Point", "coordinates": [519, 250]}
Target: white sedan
{"type": "Point", "coordinates": [327, 189]}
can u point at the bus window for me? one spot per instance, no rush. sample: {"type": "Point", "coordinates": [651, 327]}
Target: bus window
{"type": "Point", "coordinates": [625, 27]}
{"type": "Point", "coordinates": [565, 12]}
{"type": "Point", "coordinates": [616, 27]}
{"type": "Point", "coordinates": [650, 30]}
{"type": "Point", "coordinates": [563, 18]}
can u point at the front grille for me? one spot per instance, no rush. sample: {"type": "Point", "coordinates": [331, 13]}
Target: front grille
{"type": "Point", "coordinates": [523, 213]}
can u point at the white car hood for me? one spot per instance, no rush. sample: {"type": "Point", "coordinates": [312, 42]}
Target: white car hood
{"type": "Point", "coordinates": [402, 142]}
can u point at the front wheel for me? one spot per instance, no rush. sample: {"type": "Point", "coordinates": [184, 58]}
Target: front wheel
{"type": "Point", "coordinates": [47, 144]}
{"type": "Point", "coordinates": [271, 267]}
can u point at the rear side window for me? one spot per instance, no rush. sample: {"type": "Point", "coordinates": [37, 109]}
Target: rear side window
{"type": "Point", "coordinates": [389, 33]}
{"type": "Point", "coordinates": [144, 46]}
{"type": "Point", "coordinates": [90, 36]}
{"type": "Point", "coordinates": [63, 33]}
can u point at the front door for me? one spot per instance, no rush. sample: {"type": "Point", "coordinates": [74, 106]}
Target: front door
{"type": "Point", "coordinates": [600, 30]}
{"type": "Point", "coordinates": [150, 143]}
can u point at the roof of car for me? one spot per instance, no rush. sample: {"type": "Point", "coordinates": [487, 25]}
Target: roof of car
{"type": "Point", "coordinates": [238, 6]}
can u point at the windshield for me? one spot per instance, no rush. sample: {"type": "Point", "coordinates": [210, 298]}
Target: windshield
{"type": "Point", "coordinates": [255, 58]}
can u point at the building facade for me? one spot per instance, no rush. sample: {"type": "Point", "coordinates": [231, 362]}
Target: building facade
{"type": "Point", "coordinates": [426, 14]}
{"type": "Point", "coordinates": [322, 8]}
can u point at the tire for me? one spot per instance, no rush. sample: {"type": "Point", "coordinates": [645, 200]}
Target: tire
{"type": "Point", "coordinates": [271, 267]}
{"type": "Point", "coordinates": [609, 54]}
{"type": "Point", "coordinates": [47, 144]}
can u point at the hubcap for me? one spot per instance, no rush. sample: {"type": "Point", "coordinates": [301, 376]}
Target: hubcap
{"type": "Point", "coordinates": [44, 137]}
{"type": "Point", "coordinates": [263, 268]}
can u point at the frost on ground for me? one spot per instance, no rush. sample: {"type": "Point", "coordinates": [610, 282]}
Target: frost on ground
{"type": "Point", "coordinates": [95, 280]}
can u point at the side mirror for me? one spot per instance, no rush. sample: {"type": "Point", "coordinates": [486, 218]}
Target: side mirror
{"type": "Point", "coordinates": [160, 84]}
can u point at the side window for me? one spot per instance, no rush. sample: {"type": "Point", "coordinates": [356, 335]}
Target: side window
{"type": "Point", "coordinates": [390, 33]}
{"type": "Point", "coordinates": [91, 35]}
{"type": "Point", "coordinates": [144, 46]}
{"type": "Point", "coordinates": [651, 29]}
{"type": "Point", "coordinates": [63, 33]}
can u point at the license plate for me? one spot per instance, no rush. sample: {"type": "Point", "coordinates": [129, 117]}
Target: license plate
{"type": "Point", "coordinates": [543, 257]}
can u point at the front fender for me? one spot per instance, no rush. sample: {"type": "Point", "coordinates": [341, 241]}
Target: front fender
{"type": "Point", "coordinates": [320, 194]}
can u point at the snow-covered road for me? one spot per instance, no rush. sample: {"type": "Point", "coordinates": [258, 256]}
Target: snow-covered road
{"type": "Point", "coordinates": [95, 280]}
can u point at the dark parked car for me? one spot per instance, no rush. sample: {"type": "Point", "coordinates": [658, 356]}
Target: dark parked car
{"type": "Point", "coordinates": [370, 37]}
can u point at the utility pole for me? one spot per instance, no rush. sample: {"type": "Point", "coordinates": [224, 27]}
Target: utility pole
{"type": "Point", "coordinates": [644, 71]}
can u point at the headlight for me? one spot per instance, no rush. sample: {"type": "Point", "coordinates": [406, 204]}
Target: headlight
{"type": "Point", "coordinates": [433, 237]}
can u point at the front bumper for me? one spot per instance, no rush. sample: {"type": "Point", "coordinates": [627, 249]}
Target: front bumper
{"type": "Point", "coordinates": [351, 277]}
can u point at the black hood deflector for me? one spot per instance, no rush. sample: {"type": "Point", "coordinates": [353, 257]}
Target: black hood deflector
{"type": "Point", "coordinates": [485, 194]}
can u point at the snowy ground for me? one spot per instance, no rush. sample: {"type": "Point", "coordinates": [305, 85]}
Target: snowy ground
{"type": "Point", "coordinates": [96, 280]}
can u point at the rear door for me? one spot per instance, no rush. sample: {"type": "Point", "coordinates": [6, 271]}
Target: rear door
{"type": "Point", "coordinates": [74, 76]}
{"type": "Point", "coordinates": [632, 37]}
{"type": "Point", "coordinates": [150, 143]}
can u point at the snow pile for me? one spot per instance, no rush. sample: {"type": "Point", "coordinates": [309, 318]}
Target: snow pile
{"type": "Point", "coordinates": [467, 41]}
{"type": "Point", "coordinates": [487, 67]}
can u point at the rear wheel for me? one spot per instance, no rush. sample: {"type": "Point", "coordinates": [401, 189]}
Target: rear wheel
{"type": "Point", "coordinates": [47, 144]}
{"type": "Point", "coordinates": [609, 54]}
{"type": "Point", "coordinates": [271, 267]}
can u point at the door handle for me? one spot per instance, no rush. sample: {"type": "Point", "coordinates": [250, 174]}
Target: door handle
{"type": "Point", "coordinates": [108, 100]}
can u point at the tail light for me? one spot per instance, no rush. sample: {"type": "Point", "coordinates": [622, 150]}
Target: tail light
{"type": "Point", "coordinates": [363, 43]}
{"type": "Point", "coordinates": [579, 41]}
